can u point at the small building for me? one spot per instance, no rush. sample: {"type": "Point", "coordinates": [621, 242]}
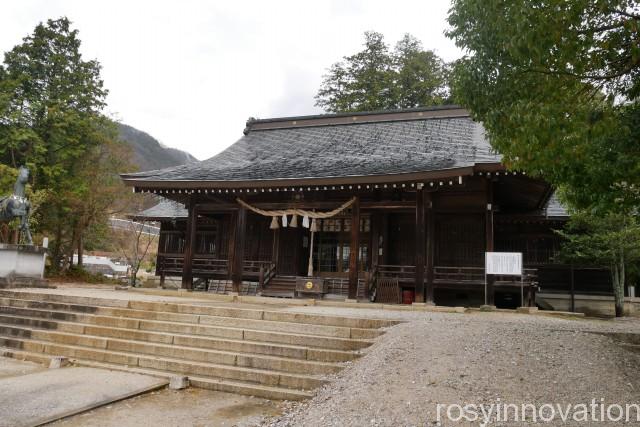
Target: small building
{"type": "Point", "coordinates": [102, 265]}
{"type": "Point", "coordinates": [391, 206]}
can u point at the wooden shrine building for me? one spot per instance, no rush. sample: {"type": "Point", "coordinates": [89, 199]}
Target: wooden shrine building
{"type": "Point", "coordinates": [377, 205]}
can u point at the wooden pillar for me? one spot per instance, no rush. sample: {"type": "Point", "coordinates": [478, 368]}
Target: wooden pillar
{"type": "Point", "coordinates": [218, 241]}
{"type": "Point", "coordinates": [374, 247]}
{"type": "Point", "coordinates": [189, 246]}
{"type": "Point", "coordinates": [231, 227]}
{"type": "Point", "coordinates": [431, 238]}
{"type": "Point", "coordinates": [420, 245]}
{"type": "Point", "coordinates": [376, 222]}
{"type": "Point", "coordinates": [238, 248]}
{"type": "Point", "coordinates": [384, 232]}
{"type": "Point", "coordinates": [275, 250]}
{"type": "Point", "coordinates": [354, 249]}
{"type": "Point", "coordinates": [489, 239]}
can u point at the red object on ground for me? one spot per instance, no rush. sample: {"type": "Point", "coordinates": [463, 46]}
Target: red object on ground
{"type": "Point", "coordinates": [407, 296]}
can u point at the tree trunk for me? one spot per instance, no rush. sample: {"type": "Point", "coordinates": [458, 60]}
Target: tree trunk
{"type": "Point", "coordinates": [70, 250]}
{"type": "Point", "coordinates": [133, 277]}
{"type": "Point", "coordinates": [617, 276]}
{"type": "Point", "coordinates": [80, 249]}
{"type": "Point", "coordinates": [55, 251]}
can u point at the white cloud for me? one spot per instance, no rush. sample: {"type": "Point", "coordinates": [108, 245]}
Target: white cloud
{"type": "Point", "coordinates": [190, 73]}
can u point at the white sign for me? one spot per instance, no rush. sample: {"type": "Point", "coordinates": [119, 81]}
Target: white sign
{"type": "Point", "coordinates": [507, 263]}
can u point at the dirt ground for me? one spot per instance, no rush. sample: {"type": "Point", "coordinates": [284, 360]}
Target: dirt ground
{"type": "Point", "coordinates": [477, 358]}
{"type": "Point", "coordinates": [184, 408]}
{"type": "Point", "coordinates": [13, 368]}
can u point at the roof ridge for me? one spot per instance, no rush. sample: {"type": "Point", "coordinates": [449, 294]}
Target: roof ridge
{"type": "Point", "coordinates": [439, 111]}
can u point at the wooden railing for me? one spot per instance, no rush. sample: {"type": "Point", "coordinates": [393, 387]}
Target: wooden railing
{"type": "Point", "coordinates": [404, 273]}
{"type": "Point", "coordinates": [210, 265]}
{"type": "Point", "coordinates": [476, 275]}
{"type": "Point", "coordinates": [205, 264]}
{"type": "Point", "coordinates": [173, 264]}
{"type": "Point", "coordinates": [441, 274]}
{"type": "Point", "coordinates": [458, 274]}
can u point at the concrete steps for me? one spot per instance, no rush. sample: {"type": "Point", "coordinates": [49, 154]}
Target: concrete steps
{"type": "Point", "coordinates": [187, 329]}
{"type": "Point", "coordinates": [280, 364]}
{"type": "Point", "coordinates": [212, 383]}
{"type": "Point", "coordinates": [266, 353]}
{"type": "Point", "coordinates": [18, 317]}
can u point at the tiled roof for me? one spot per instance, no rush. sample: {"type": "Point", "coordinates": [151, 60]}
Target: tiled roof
{"type": "Point", "coordinates": [286, 149]}
{"type": "Point", "coordinates": [555, 208]}
{"type": "Point", "coordinates": [165, 209]}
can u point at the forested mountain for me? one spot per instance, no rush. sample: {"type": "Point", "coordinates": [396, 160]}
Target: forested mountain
{"type": "Point", "coordinates": [149, 153]}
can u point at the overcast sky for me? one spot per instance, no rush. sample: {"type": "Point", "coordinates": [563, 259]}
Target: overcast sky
{"type": "Point", "coordinates": [191, 72]}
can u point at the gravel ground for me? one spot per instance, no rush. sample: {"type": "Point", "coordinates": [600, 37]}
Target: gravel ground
{"type": "Point", "coordinates": [478, 358]}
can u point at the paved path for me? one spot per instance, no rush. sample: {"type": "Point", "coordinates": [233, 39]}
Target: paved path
{"type": "Point", "coordinates": [31, 399]}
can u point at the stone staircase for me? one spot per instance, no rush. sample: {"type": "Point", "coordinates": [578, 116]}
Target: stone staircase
{"type": "Point", "coordinates": [259, 352]}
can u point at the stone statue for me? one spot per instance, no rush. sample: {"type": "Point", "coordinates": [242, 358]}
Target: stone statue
{"type": "Point", "coordinates": [17, 205]}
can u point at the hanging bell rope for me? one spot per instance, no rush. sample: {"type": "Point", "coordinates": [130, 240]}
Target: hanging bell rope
{"type": "Point", "coordinates": [299, 212]}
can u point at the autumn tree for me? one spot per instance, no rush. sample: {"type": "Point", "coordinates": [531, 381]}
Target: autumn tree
{"type": "Point", "coordinates": [378, 78]}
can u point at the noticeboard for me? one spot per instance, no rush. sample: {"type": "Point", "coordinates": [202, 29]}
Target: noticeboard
{"type": "Point", "coordinates": [504, 263]}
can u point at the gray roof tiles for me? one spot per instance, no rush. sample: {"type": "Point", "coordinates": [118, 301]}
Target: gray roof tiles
{"type": "Point", "coordinates": [165, 209]}
{"type": "Point", "coordinates": [555, 208]}
{"type": "Point", "coordinates": [324, 151]}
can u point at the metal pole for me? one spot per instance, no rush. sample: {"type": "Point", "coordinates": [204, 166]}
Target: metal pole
{"type": "Point", "coordinates": [485, 286]}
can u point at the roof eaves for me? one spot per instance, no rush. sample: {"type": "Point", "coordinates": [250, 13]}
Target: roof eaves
{"type": "Point", "coordinates": [313, 181]}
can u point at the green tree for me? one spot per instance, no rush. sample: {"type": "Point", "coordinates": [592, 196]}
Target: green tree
{"type": "Point", "coordinates": [420, 75]}
{"type": "Point", "coordinates": [610, 240]}
{"type": "Point", "coordinates": [556, 85]}
{"type": "Point", "coordinates": [377, 78]}
{"type": "Point", "coordinates": [51, 120]}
